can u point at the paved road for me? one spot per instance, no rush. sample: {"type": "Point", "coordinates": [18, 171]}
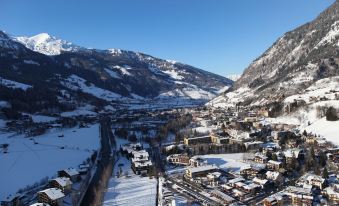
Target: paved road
{"type": "Point", "coordinates": [105, 159]}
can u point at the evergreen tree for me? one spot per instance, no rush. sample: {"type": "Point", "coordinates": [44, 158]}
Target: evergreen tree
{"type": "Point", "coordinates": [274, 157]}
{"type": "Point", "coordinates": [322, 159]}
{"type": "Point", "coordinates": [317, 170]}
{"type": "Point", "coordinates": [331, 114]}
{"type": "Point", "coordinates": [305, 133]}
{"type": "Point", "coordinates": [312, 153]}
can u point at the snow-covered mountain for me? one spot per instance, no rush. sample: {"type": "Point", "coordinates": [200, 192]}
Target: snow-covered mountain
{"type": "Point", "coordinates": [294, 63]}
{"type": "Point", "coordinates": [46, 44]}
{"type": "Point", "coordinates": [234, 77]}
{"type": "Point", "coordinates": [111, 76]}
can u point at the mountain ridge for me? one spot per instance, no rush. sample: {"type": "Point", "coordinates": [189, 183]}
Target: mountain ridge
{"type": "Point", "coordinates": [112, 75]}
{"type": "Point", "coordinates": [293, 63]}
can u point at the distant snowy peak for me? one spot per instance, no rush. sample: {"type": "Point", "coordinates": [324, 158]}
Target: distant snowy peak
{"type": "Point", "coordinates": [115, 74]}
{"type": "Point", "coordinates": [46, 44]}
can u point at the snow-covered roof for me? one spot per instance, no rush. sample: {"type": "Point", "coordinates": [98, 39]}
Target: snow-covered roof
{"type": "Point", "coordinates": [292, 152]}
{"type": "Point", "coordinates": [272, 175]}
{"type": "Point", "coordinates": [226, 187]}
{"type": "Point", "coordinates": [245, 167]}
{"type": "Point", "coordinates": [142, 163]}
{"type": "Point", "coordinates": [71, 171]}
{"type": "Point", "coordinates": [260, 181]}
{"type": "Point", "coordinates": [238, 179]}
{"type": "Point", "coordinates": [63, 181]}
{"type": "Point", "coordinates": [53, 193]}
{"type": "Point", "coordinates": [238, 192]}
{"type": "Point", "coordinates": [202, 137]}
{"type": "Point", "coordinates": [331, 191]}
{"type": "Point", "coordinates": [251, 186]}
{"type": "Point", "coordinates": [202, 168]}
{"type": "Point", "coordinates": [274, 162]}
{"type": "Point", "coordinates": [315, 178]}
{"type": "Point", "coordinates": [39, 204]}
{"type": "Point", "coordinates": [253, 143]}
{"type": "Point", "coordinates": [240, 184]}
{"type": "Point", "coordinates": [299, 190]}
{"type": "Point", "coordinates": [223, 195]}
{"type": "Point", "coordinates": [140, 154]}
{"type": "Point", "coordinates": [262, 156]}
{"type": "Point", "coordinates": [131, 147]}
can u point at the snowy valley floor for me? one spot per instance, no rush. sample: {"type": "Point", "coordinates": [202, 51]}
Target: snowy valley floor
{"type": "Point", "coordinates": [129, 189]}
{"type": "Point", "coordinates": [27, 163]}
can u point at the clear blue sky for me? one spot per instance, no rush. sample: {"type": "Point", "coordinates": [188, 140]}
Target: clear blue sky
{"type": "Point", "coordinates": [221, 36]}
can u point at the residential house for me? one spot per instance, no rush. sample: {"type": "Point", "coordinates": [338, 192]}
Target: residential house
{"type": "Point", "coordinates": [232, 182]}
{"type": "Point", "coordinates": [300, 196]}
{"type": "Point", "coordinates": [197, 161]}
{"type": "Point", "coordinates": [253, 146]}
{"type": "Point", "coordinates": [130, 147]}
{"type": "Point", "coordinates": [273, 165]}
{"type": "Point", "coordinates": [275, 177]}
{"type": "Point", "coordinates": [199, 171]}
{"type": "Point", "coordinates": [197, 140]}
{"type": "Point", "coordinates": [316, 181]}
{"type": "Point", "coordinates": [278, 199]}
{"type": "Point", "coordinates": [263, 182]}
{"type": "Point", "coordinates": [252, 188]}
{"type": "Point", "coordinates": [71, 173]}
{"type": "Point", "coordinates": [52, 196]}
{"type": "Point", "coordinates": [179, 159]}
{"type": "Point", "coordinates": [213, 178]}
{"type": "Point", "coordinates": [218, 139]}
{"type": "Point", "coordinates": [141, 167]}
{"type": "Point", "coordinates": [260, 158]}
{"type": "Point", "coordinates": [62, 183]}
{"type": "Point", "coordinates": [331, 194]}
{"type": "Point", "coordinates": [292, 154]}
{"type": "Point", "coordinates": [252, 171]}
{"type": "Point", "coordinates": [312, 180]}
{"type": "Point", "coordinates": [226, 199]}
{"type": "Point", "coordinates": [12, 200]}
{"type": "Point", "coordinates": [240, 194]}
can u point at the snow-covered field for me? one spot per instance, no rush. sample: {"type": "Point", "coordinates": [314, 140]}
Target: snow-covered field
{"type": "Point", "coordinates": [323, 88]}
{"type": "Point", "coordinates": [75, 82]}
{"type": "Point", "coordinates": [327, 129]}
{"type": "Point", "coordinates": [27, 163]}
{"type": "Point", "coordinates": [42, 118]}
{"type": "Point", "coordinates": [85, 110]}
{"type": "Point", "coordinates": [13, 84]}
{"type": "Point", "coordinates": [162, 103]}
{"type": "Point", "coordinates": [231, 162]}
{"type": "Point", "coordinates": [130, 189]}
